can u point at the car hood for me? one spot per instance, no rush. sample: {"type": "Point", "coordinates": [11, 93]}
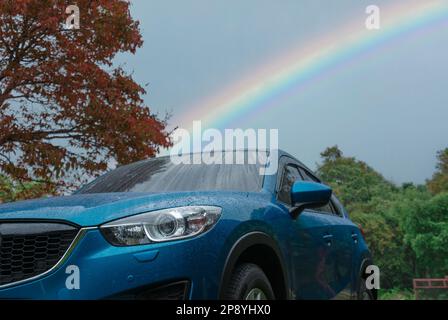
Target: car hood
{"type": "Point", "coordinates": [95, 209]}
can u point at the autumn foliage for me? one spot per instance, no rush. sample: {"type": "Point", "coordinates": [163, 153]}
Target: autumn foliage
{"type": "Point", "coordinates": [65, 109]}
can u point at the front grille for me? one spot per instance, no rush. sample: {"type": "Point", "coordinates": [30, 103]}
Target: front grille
{"type": "Point", "coordinates": [30, 249]}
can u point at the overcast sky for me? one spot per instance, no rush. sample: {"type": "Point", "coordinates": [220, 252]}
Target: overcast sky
{"type": "Point", "coordinates": [388, 108]}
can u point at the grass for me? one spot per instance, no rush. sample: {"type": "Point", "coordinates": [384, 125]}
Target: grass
{"type": "Point", "coordinates": [395, 294]}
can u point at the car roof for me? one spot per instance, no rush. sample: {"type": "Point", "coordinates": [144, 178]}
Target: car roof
{"type": "Point", "coordinates": [281, 153]}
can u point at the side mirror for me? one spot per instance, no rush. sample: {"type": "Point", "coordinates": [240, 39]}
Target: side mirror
{"type": "Point", "coordinates": [306, 194]}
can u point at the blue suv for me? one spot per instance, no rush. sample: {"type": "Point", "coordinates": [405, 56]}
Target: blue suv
{"type": "Point", "coordinates": [162, 230]}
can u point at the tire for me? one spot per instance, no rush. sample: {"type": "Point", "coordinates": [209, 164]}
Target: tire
{"type": "Point", "coordinates": [363, 292]}
{"type": "Point", "coordinates": [248, 282]}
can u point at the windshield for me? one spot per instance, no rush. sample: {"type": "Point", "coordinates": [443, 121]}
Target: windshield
{"type": "Point", "coordinates": [162, 175]}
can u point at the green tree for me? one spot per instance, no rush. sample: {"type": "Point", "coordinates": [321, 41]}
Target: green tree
{"type": "Point", "coordinates": [425, 225]}
{"type": "Point", "coordinates": [352, 180]}
{"type": "Point", "coordinates": [439, 181]}
{"type": "Point", "coordinates": [16, 190]}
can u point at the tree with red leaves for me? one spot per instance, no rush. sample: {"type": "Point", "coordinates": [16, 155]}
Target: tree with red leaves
{"type": "Point", "coordinates": [66, 110]}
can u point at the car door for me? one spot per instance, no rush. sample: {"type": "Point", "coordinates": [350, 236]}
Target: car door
{"type": "Point", "coordinates": [310, 242]}
{"type": "Point", "coordinates": [351, 235]}
{"type": "Point", "coordinates": [340, 228]}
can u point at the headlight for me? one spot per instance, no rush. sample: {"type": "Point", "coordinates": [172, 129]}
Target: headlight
{"type": "Point", "coordinates": [161, 225]}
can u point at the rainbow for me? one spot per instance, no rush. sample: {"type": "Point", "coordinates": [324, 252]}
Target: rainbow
{"type": "Point", "coordinates": [309, 61]}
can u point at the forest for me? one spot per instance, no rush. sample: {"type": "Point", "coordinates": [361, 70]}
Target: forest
{"type": "Point", "coordinates": [406, 226]}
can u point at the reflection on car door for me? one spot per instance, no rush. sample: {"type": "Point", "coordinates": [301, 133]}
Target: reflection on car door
{"type": "Point", "coordinates": [315, 261]}
{"type": "Point", "coordinates": [340, 249]}
{"type": "Point", "coordinates": [310, 242]}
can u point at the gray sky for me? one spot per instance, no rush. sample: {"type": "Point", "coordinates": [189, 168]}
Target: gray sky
{"type": "Point", "coordinates": [389, 107]}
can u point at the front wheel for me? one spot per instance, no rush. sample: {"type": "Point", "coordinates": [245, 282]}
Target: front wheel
{"type": "Point", "coordinates": [248, 282]}
{"type": "Point", "coordinates": [363, 292]}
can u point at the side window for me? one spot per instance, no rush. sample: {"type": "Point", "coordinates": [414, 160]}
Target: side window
{"type": "Point", "coordinates": [328, 209]}
{"type": "Point", "coordinates": [290, 174]}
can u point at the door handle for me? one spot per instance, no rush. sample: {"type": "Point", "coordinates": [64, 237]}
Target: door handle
{"type": "Point", "coordinates": [328, 238]}
{"type": "Point", "coordinates": [355, 237]}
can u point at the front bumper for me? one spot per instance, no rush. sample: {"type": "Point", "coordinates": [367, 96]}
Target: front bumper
{"type": "Point", "coordinates": [106, 271]}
